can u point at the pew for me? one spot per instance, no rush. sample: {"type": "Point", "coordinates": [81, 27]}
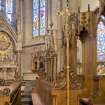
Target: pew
{"type": "Point", "coordinates": [10, 95]}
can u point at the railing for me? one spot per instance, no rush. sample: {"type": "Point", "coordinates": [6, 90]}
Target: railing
{"type": "Point", "coordinates": [10, 94]}
{"type": "Point", "coordinates": [16, 96]}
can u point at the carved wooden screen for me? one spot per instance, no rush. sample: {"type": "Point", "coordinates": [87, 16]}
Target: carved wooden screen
{"type": "Point", "coordinates": [101, 46]}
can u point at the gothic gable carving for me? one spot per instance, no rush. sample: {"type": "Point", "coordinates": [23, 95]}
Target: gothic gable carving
{"type": "Point", "coordinates": [6, 27]}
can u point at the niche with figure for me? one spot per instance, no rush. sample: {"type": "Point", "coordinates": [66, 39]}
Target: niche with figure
{"type": "Point", "coordinates": [38, 62]}
{"type": "Point", "coordinates": [38, 65]}
{"type": "Point", "coordinates": [7, 55]}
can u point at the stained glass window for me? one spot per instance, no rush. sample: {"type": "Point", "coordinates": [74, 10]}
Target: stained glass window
{"type": "Point", "coordinates": [8, 8]}
{"type": "Point", "coordinates": [101, 41]}
{"type": "Point", "coordinates": [101, 46]}
{"type": "Point", "coordinates": [0, 5]}
{"type": "Point", "coordinates": [39, 17]}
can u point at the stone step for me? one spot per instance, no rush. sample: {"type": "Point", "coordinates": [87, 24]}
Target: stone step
{"type": "Point", "coordinates": [25, 96]}
{"type": "Point", "coordinates": [26, 93]}
{"type": "Point", "coordinates": [25, 99]}
{"type": "Point", "coordinates": [26, 103]}
{"type": "Point", "coordinates": [26, 90]}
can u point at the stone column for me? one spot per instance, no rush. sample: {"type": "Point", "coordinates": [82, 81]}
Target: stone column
{"type": "Point", "coordinates": [49, 68]}
{"type": "Point", "coordinates": [19, 36]}
{"type": "Point", "coordinates": [55, 68]}
{"type": "Point", "coordinates": [27, 22]}
{"type": "Point", "coordinates": [46, 71]}
{"type": "Point", "coordinates": [5, 73]}
{"type": "Point", "coordinates": [18, 72]}
{"type": "Point", "coordinates": [52, 68]}
{"type": "Point", "coordinates": [60, 54]}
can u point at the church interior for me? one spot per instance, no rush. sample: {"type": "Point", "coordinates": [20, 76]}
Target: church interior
{"type": "Point", "coordinates": [52, 52]}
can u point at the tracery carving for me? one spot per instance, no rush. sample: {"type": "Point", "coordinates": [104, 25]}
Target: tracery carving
{"type": "Point", "coordinates": [88, 22]}
{"type": "Point", "coordinates": [75, 81]}
{"type": "Point", "coordinates": [5, 26]}
{"type": "Point", "coordinates": [60, 83]}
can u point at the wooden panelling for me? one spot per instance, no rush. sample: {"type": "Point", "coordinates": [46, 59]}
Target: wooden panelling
{"type": "Point", "coordinates": [52, 96]}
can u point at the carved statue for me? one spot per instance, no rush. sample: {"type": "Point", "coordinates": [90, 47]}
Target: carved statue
{"type": "Point", "coordinates": [60, 83]}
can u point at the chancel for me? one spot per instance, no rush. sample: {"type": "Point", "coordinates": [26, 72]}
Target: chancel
{"type": "Point", "coordinates": [52, 52]}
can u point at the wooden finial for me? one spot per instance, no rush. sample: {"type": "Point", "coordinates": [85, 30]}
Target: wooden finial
{"type": "Point", "coordinates": [88, 7]}
{"type": "Point", "coordinates": [79, 9]}
{"type": "Point", "coordinates": [67, 3]}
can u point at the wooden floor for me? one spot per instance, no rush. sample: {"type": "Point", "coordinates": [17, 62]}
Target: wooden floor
{"type": "Point", "coordinates": [99, 104]}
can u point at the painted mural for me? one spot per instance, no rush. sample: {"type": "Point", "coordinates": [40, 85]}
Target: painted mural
{"type": "Point", "coordinates": [7, 55]}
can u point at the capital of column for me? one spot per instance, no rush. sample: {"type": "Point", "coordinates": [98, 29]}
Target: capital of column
{"type": "Point", "coordinates": [19, 47]}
